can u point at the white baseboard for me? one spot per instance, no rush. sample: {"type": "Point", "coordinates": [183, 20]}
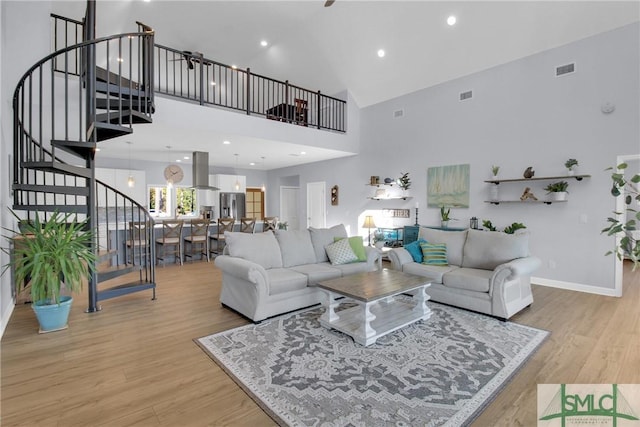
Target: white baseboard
{"type": "Point", "coordinates": [570, 286]}
{"type": "Point", "coordinates": [5, 319]}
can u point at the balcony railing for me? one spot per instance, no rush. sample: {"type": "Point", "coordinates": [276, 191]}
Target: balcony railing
{"type": "Point", "coordinates": [193, 77]}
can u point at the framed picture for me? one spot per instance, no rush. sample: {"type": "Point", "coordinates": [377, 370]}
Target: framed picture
{"type": "Point", "coordinates": [448, 186]}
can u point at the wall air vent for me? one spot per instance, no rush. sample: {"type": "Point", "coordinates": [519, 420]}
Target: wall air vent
{"type": "Point", "coordinates": [398, 113]}
{"type": "Point", "coordinates": [466, 95]}
{"type": "Point", "coordinates": [565, 69]}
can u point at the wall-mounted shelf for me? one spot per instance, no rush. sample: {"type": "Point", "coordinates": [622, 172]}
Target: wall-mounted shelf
{"type": "Point", "coordinates": [546, 202]}
{"type": "Point", "coordinates": [391, 198]}
{"type": "Point", "coordinates": [390, 184]}
{"type": "Point", "coordinates": [541, 178]}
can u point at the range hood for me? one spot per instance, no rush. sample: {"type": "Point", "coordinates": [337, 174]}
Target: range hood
{"type": "Point", "coordinates": [201, 171]}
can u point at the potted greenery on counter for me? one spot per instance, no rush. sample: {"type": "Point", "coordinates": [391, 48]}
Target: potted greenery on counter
{"type": "Point", "coordinates": [48, 255]}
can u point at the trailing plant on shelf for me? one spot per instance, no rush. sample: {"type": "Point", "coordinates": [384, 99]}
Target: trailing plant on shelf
{"type": "Point", "coordinates": [404, 181]}
{"type": "Point", "coordinates": [624, 224]}
{"type": "Point", "coordinates": [557, 187]}
{"type": "Point", "coordinates": [570, 164]}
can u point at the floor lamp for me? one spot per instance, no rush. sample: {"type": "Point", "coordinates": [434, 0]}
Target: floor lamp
{"type": "Point", "coordinates": [369, 224]}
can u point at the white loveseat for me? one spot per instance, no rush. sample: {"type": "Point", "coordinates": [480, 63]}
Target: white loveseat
{"type": "Point", "coordinates": [266, 274]}
{"type": "Point", "coordinates": [488, 272]}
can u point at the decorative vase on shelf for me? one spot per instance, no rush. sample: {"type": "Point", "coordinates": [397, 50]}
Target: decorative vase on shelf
{"type": "Point", "coordinates": [571, 172]}
{"type": "Point", "coordinates": [444, 224]}
{"type": "Point", "coordinates": [493, 193]}
{"type": "Point", "coordinates": [559, 196]}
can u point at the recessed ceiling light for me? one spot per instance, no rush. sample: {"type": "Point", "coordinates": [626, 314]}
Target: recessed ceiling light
{"type": "Point", "coordinates": [264, 43]}
{"type": "Point", "coordinates": [234, 66]}
{"type": "Point", "coordinates": [186, 157]}
{"type": "Point", "coordinates": [120, 60]}
{"type": "Point", "coordinates": [451, 20]}
{"type": "Point", "coordinates": [381, 53]}
{"type": "Point", "coordinates": [97, 149]}
{"type": "Point", "coordinates": [213, 83]}
{"type": "Point", "coordinates": [303, 153]}
{"type": "Point", "coordinates": [252, 164]}
{"type": "Point", "coordinates": [226, 142]}
{"type": "Point", "coordinates": [178, 160]}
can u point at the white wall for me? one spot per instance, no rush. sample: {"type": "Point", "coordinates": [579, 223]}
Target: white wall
{"type": "Point", "coordinates": [520, 115]}
{"type": "Point", "coordinates": [24, 39]}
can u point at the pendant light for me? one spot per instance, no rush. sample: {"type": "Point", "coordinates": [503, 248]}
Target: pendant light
{"type": "Point", "coordinates": [263, 188]}
{"type": "Point", "coordinates": [131, 182]}
{"type": "Point", "coordinates": [237, 180]}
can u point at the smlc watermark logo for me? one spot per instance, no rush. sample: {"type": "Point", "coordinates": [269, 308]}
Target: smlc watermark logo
{"type": "Point", "coordinates": [611, 405]}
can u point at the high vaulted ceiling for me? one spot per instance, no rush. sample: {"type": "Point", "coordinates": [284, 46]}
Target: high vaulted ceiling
{"type": "Point", "coordinates": [333, 49]}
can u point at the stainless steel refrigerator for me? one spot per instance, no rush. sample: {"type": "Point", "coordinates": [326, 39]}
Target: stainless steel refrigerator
{"type": "Point", "coordinates": [232, 205]}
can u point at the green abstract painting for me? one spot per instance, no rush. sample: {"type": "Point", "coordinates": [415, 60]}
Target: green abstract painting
{"type": "Point", "coordinates": [448, 186]}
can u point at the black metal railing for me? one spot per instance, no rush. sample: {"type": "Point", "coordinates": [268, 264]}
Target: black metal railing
{"type": "Point", "coordinates": [67, 32]}
{"type": "Point", "coordinates": [54, 123]}
{"type": "Point", "coordinates": [193, 77]}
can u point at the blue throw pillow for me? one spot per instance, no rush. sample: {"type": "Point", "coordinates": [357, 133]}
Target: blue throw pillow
{"type": "Point", "coordinates": [415, 250]}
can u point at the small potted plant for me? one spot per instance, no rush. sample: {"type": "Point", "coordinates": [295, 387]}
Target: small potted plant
{"type": "Point", "coordinates": [49, 255]}
{"type": "Point", "coordinates": [494, 172]}
{"type": "Point", "coordinates": [404, 182]}
{"type": "Point", "coordinates": [444, 216]}
{"type": "Point", "coordinates": [571, 165]}
{"type": "Point", "coordinates": [558, 190]}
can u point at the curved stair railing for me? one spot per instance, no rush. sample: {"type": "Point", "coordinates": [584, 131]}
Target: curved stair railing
{"type": "Point", "coordinates": [62, 111]}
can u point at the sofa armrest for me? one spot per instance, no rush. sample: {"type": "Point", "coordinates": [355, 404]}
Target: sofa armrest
{"type": "Point", "coordinates": [399, 257]}
{"type": "Point", "coordinates": [516, 268]}
{"type": "Point", "coordinates": [244, 270]}
{"type": "Point", "coordinates": [373, 256]}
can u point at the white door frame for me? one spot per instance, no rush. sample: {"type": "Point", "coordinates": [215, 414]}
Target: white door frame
{"type": "Point", "coordinates": [322, 186]}
{"type": "Point", "coordinates": [620, 207]}
{"type": "Point", "coordinates": [282, 207]}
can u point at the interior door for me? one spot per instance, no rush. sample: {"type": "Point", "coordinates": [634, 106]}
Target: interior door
{"type": "Point", "coordinates": [316, 205]}
{"type": "Point", "coordinates": [289, 197]}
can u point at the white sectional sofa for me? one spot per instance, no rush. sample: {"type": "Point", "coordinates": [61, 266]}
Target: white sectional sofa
{"type": "Point", "coordinates": [488, 272]}
{"type": "Point", "coordinates": [266, 274]}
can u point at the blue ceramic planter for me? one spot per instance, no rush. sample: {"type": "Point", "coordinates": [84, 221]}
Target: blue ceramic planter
{"type": "Point", "coordinates": [53, 317]}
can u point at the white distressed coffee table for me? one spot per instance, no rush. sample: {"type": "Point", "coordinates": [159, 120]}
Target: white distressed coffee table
{"type": "Point", "coordinates": [377, 312]}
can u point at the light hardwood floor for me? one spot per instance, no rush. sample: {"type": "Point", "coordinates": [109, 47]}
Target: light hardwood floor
{"type": "Point", "coordinates": [135, 362]}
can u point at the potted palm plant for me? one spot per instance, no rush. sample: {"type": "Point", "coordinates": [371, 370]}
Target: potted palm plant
{"type": "Point", "coordinates": [558, 190]}
{"type": "Point", "coordinates": [47, 256]}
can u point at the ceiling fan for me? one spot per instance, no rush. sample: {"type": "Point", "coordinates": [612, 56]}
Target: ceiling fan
{"type": "Point", "coordinates": [329, 3]}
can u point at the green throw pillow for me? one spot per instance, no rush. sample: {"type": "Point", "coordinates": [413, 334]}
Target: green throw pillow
{"type": "Point", "coordinates": [357, 246]}
{"type": "Point", "coordinates": [434, 253]}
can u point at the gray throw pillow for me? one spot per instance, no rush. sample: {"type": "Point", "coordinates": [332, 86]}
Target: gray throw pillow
{"type": "Point", "coordinates": [296, 247]}
{"type": "Point", "coordinates": [261, 248]}
{"type": "Point", "coordinates": [489, 249]}
{"type": "Point", "coordinates": [321, 237]}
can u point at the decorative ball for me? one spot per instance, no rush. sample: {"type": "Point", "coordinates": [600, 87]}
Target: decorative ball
{"type": "Point", "coordinates": [388, 180]}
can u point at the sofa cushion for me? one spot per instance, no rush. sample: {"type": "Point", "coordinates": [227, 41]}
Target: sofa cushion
{"type": "Point", "coordinates": [353, 268]}
{"type": "Point", "coordinates": [295, 247]}
{"type": "Point", "coordinates": [453, 239]}
{"type": "Point", "coordinates": [471, 279]}
{"type": "Point", "coordinates": [261, 248]}
{"type": "Point", "coordinates": [434, 253]}
{"type": "Point", "coordinates": [321, 237]}
{"type": "Point", "coordinates": [283, 280]}
{"type": "Point", "coordinates": [340, 252]}
{"type": "Point", "coordinates": [318, 272]}
{"type": "Point", "coordinates": [435, 272]}
{"type": "Point", "coordinates": [357, 246]}
{"type": "Point", "coordinates": [489, 249]}
{"type": "Point", "coordinates": [415, 250]}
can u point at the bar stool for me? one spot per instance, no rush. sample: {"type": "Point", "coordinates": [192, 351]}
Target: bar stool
{"type": "Point", "coordinates": [171, 237]}
{"type": "Point", "coordinates": [136, 243]}
{"type": "Point", "coordinates": [247, 225]}
{"type": "Point", "coordinates": [198, 239]}
{"type": "Point", "coordinates": [269, 223]}
{"type": "Point", "coordinates": [224, 224]}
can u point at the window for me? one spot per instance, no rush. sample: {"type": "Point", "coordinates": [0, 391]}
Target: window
{"type": "Point", "coordinates": [169, 202]}
{"type": "Point", "coordinates": [255, 203]}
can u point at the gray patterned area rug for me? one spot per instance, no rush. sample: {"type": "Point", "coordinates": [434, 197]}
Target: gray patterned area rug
{"type": "Point", "coordinates": [440, 372]}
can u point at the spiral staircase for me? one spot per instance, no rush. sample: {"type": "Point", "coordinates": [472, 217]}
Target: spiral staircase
{"type": "Point", "coordinates": [65, 106]}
